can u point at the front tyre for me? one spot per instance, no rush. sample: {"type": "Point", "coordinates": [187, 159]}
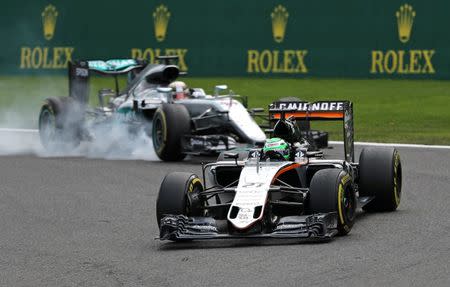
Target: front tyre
{"type": "Point", "coordinates": [380, 176]}
{"type": "Point", "coordinates": [331, 191]}
{"type": "Point", "coordinates": [171, 123]}
{"type": "Point", "coordinates": [179, 194]}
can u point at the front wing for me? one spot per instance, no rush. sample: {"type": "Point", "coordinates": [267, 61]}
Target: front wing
{"type": "Point", "coordinates": [317, 226]}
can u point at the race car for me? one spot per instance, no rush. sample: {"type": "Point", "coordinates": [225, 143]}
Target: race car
{"type": "Point", "coordinates": [281, 190]}
{"type": "Point", "coordinates": [180, 120]}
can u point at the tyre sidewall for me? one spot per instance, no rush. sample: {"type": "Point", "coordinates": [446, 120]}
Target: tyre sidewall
{"type": "Point", "coordinates": [345, 222]}
{"type": "Point", "coordinates": [175, 121]}
{"type": "Point", "coordinates": [159, 116]}
{"type": "Point", "coordinates": [67, 121]}
{"type": "Point", "coordinates": [327, 190]}
{"type": "Point", "coordinates": [179, 195]}
{"type": "Point", "coordinates": [380, 177]}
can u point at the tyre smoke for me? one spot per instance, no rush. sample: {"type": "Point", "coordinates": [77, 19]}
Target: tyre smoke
{"type": "Point", "coordinates": [108, 141]}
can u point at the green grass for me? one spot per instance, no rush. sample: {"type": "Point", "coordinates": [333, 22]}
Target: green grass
{"type": "Point", "coordinates": [403, 111]}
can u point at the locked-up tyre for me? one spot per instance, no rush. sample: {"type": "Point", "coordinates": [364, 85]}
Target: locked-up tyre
{"type": "Point", "coordinates": [60, 123]}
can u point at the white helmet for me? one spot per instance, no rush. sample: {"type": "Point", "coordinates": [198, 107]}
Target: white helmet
{"type": "Point", "coordinates": [180, 88]}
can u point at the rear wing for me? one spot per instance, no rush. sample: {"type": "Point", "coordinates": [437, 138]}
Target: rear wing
{"type": "Point", "coordinates": [320, 111]}
{"type": "Point", "coordinates": [80, 72]}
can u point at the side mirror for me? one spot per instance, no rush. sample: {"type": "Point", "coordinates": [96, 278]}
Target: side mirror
{"type": "Point", "coordinates": [219, 88]}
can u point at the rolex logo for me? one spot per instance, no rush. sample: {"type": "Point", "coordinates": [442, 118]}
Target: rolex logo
{"type": "Point", "coordinates": [49, 16]}
{"type": "Point", "coordinates": [279, 21]}
{"type": "Point", "coordinates": [405, 18]}
{"type": "Point", "coordinates": [161, 18]}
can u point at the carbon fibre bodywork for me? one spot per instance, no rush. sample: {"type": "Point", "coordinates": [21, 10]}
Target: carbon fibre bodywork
{"type": "Point", "coordinates": [318, 226]}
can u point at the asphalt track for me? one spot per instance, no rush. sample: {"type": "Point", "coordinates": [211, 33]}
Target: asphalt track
{"type": "Point", "coordinates": [91, 222]}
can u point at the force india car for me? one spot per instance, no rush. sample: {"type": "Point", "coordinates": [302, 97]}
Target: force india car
{"type": "Point", "coordinates": [281, 190]}
{"type": "Point", "coordinates": [197, 124]}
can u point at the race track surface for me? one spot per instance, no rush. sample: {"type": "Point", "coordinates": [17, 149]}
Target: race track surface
{"type": "Point", "coordinates": [91, 222]}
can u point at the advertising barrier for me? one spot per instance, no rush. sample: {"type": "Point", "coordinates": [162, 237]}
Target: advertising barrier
{"type": "Point", "coordinates": [367, 39]}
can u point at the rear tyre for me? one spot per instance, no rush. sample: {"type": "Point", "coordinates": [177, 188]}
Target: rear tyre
{"type": "Point", "coordinates": [60, 123]}
{"type": "Point", "coordinates": [171, 123]}
{"type": "Point", "coordinates": [380, 175]}
{"type": "Point", "coordinates": [331, 191]}
{"type": "Point", "coordinates": [179, 194]}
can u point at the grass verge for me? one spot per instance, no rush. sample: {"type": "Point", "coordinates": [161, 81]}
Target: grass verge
{"type": "Point", "coordinates": [402, 111]}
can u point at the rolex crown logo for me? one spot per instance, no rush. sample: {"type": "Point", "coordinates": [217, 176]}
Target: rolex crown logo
{"type": "Point", "coordinates": [161, 18]}
{"type": "Point", "coordinates": [405, 18]}
{"type": "Point", "coordinates": [279, 21]}
{"type": "Point", "coordinates": [49, 16]}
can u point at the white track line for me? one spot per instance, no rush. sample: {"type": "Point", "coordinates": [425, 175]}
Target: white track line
{"type": "Point", "coordinates": [331, 142]}
{"type": "Point", "coordinates": [395, 145]}
{"type": "Point", "coordinates": [7, 130]}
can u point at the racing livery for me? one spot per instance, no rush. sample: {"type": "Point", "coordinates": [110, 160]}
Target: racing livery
{"type": "Point", "coordinates": [282, 190]}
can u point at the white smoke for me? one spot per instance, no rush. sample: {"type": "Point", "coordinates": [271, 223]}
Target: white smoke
{"type": "Point", "coordinates": [13, 142]}
{"type": "Point", "coordinates": [108, 141]}
{"type": "Point", "coordinates": [117, 142]}
{"type": "Point", "coordinates": [21, 101]}
{"type": "Point", "coordinates": [17, 132]}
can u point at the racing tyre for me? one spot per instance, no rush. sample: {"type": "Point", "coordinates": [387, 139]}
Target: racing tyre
{"type": "Point", "coordinates": [170, 123]}
{"type": "Point", "coordinates": [60, 123]}
{"type": "Point", "coordinates": [179, 195]}
{"type": "Point", "coordinates": [331, 191]}
{"type": "Point", "coordinates": [380, 175]}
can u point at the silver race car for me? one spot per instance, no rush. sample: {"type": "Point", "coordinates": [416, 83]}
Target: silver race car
{"type": "Point", "coordinates": [179, 120]}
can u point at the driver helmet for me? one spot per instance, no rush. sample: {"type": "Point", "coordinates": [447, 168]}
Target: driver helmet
{"type": "Point", "coordinates": [181, 90]}
{"type": "Point", "coordinates": [276, 148]}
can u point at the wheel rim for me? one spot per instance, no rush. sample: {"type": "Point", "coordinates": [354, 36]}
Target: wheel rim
{"type": "Point", "coordinates": [158, 133]}
{"type": "Point", "coordinates": [349, 204]}
{"type": "Point", "coordinates": [193, 207]}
